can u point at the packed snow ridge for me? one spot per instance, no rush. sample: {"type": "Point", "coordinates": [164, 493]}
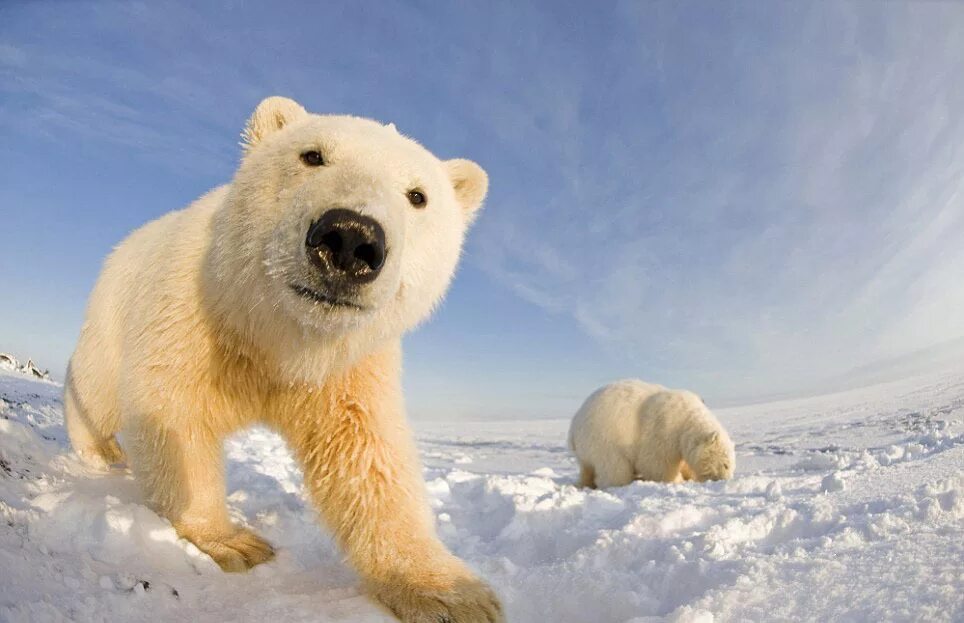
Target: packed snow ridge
{"type": "Point", "coordinates": [843, 507]}
{"type": "Point", "coordinates": [10, 363]}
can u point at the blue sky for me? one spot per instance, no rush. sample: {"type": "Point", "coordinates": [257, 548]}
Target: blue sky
{"type": "Point", "coordinates": [742, 198]}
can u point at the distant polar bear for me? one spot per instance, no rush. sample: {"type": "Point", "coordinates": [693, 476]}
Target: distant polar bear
{"type": "Point", "coordinates": [635, 430]}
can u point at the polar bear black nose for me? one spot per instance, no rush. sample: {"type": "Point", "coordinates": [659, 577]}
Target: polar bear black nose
{"type": "Point", "coordinates": [346, 246]}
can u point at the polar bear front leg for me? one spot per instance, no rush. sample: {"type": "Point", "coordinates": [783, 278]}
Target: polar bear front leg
{"type": "Point", "coordinates": [362, 470]}
{"type": "Point", "coordinates": [686, 472]}
{"type": "Point", "coordinates": [181, 471]}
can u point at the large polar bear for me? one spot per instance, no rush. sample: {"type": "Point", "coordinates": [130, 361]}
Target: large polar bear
{"type": "Point", "coordinates": [634, 430]}
{"type": "Point", "coordinates": [281, 299]}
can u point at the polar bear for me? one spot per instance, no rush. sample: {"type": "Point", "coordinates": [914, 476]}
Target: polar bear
{"type": "Point", "coordinates": [635, 430]}
{"type": "Point", "coordinates": [281, 298]}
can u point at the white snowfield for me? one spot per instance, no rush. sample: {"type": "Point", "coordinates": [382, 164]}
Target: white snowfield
{"type": "Point", "coordinates": [846, 507]}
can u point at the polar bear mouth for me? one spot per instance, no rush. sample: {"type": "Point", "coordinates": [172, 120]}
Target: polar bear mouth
{"type": "Point", "coordinates": [332, 301]}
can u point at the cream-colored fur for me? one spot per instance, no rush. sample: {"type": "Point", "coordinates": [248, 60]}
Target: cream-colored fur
{"type": "Point", "coordinates": [193, 331]}
{"type": "Point", "coordinates": [634, 430]}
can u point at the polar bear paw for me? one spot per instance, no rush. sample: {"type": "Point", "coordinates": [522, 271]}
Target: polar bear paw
{"type": "Point", "coordinates": [468, 600]}
{"type": "Point", "coordinates": [102, 455]}
{"type": "Point", "coordinates": [238, 551]}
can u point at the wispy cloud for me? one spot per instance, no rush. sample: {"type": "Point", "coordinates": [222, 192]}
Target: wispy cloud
{"type": "Point", "coordinates": [153, 82]}
{"type": "Point", "coordinates": [793, 210]}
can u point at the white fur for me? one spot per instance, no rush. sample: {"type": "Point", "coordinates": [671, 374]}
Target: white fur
{"type": "Point", "coordinates": [194, 331]}
{"type": "Point", "coordinates": [635, 430]}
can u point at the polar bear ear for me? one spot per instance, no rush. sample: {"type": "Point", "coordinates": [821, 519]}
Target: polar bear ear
{"type": "Point", "coordinates": [272, 114]}
{"type": "Point", "coordinates": [470, 183]}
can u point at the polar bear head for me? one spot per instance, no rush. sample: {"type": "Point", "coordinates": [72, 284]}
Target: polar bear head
{"type": "Point", "coordinates": [715, 457]}
{"type": "Point", "coordinates": [336, 230]}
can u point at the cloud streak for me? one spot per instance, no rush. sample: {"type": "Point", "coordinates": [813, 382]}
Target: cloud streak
{"type": "Point", "coordinates": [794, 213]}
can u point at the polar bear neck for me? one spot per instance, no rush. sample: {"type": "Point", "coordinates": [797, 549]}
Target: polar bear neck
{"type": "Point", "coordinates": [290, 354]}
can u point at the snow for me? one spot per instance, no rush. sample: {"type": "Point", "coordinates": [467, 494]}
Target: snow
{"type": "Point", "coordinates": [9, 363]}
{"type": "Point", "coordinates": [845, 507]}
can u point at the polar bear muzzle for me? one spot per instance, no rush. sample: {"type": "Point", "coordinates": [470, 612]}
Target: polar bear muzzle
{"type": "Point", "coordinates": [347, 248]}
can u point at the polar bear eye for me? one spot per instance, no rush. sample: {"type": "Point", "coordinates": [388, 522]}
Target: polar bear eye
{"type": "Point", "coordinates": [312, 158]}
{"type": "Point", "coordinates": [417, 198]}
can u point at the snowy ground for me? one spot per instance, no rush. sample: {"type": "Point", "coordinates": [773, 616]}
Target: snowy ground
{"type": "Point", "coordinates": [846, 507]}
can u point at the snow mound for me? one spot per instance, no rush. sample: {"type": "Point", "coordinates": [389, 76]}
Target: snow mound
{"type": "Point", "coordinates": [844, 507]}
{"type": "Point", "coordinates": [9, 363]}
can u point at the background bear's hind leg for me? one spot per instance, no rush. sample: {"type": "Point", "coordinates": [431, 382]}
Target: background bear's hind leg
{"type": "Point", "coordinates": [587, 476]}
{"type": "Point", "coordinates": [614, 472]}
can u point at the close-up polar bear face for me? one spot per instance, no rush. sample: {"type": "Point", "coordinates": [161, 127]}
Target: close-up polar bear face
{"type": "Point", "coordinates": [341, 224]}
